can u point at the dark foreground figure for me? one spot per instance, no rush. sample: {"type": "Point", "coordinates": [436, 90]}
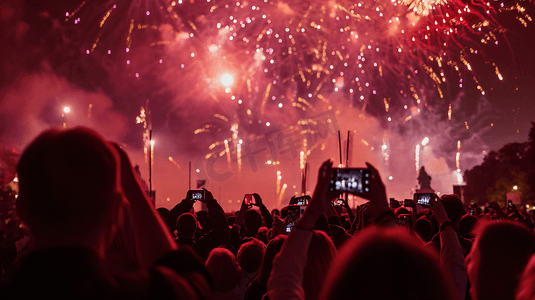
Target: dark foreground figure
{"type": "Point", "coordinates": [77, 194]}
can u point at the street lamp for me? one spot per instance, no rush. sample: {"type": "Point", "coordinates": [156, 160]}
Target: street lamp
{"type": "Point", "coordinates": [66, 110]}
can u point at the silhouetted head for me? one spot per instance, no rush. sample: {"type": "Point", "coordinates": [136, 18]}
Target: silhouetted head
{"type": "Point", "coordinates": [69, 185]}
{"type": "Point", "coordinates": [250, 255]}
{"type": "Point", "coordinates": [186, 225]}
{"type": "Point", "coordinates": [252, 220]}
{"type": "Point", "coordinates": [500, 253]}
{"type": "Point", "coordinates": [272, 249]}
{"type": "Point", "coordinates": [401, 211]}
{"type": "Point", "coordinates": [230, 218]}
{"type": "Point", "coordinates": [321, 252]}
{"type": "Point", "coordinates": [163, 212]}
{"type": "Point", "coordinates": [526, 287]}
{"type": "Point", "coordinates": [423, 228]}
{"type": "Point", "coordinates": [225, 271]}
{"type": "Point", "coordinates": [382, 263]}
{"type": "Point", "coordinates": [262, 234]}
{"type": "Point", "coordinates": [467, 225]}
{"type": "Point", "coordinates": [204, 220]}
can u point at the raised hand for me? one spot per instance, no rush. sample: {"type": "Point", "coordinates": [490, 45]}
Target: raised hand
{"type": "Point", "coordinates": [377, 197]}
{"type": "Point", "coordinates": [207, 196]}
{"type": "Point", "coordinates": [321, 200]}
{"type": "Point", "coordinates": [258, 200]}
{"type": "Point", "coordinates": [438, 210]}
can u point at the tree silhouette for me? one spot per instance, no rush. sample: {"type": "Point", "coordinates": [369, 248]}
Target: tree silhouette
{"type": "Point", "coordinates": [512, 165]}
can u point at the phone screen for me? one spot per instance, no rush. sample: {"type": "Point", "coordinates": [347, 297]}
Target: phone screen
{"type": "Point", "coordinates": [472, 211]}
{"type": "Point", "coordinates": [303, 200]}
{"type": "Point", "coordinates": [351, 180]}
{"type": "Point", "coordinates": [423, 198]}
{"type": "Point", "coordinates": [195, 195]}
{"type": "Point", "coordinates": [249, 199]}
{"type": "Point", "coordinates": [294, 213]}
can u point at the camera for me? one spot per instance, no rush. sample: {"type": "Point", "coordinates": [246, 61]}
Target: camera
{"type": "Point", "coordinates": [294, 213]}
{"type": "Point", "coordinates": [350, 180]}
{"type": "Point", "coordinates": [424, 199]}
{"type": "Point", "coordinates": [249, 199]}
{"type": "Point", "coordinates": [303, 200]}
{"type": "Point", "coordinates": [195, 195]}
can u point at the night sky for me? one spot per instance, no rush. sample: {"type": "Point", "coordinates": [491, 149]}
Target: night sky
{"type": "Point", "coordinates": [105, 60]}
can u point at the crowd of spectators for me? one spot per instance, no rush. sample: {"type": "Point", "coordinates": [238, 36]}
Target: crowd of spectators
{"type": "Point", "coordinates": [86, 229]}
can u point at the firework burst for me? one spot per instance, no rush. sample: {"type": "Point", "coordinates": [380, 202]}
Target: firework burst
{"type": "Point", "coordinates": [260, 63]}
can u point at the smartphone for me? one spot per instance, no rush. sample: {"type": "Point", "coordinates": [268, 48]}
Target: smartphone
{"type": "Point", "coordinates": [351, 180]}
{"type": "Point", "coordinates": [471, 210]}
{"type": "Point", "coordinates": [424, 199]}
{"type": "Point", "coordinates": [303, 200]}
{"type": "Point", "coordinates": [294, 213]}
{"type": "Point", "coordinates": [495, 218]}
{"type": "Point", "coordinates": [195, 195]}
{"type": "Point", "coordinates": [409, 203]}
{"type": "Point", "coordinates": [249, 199]}
{"type": "Point", "coordinates": [338, 202]}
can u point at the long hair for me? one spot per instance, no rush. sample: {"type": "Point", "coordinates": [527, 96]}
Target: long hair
{"type": "Point", "coordinates": [526, 287]}
{"type": "Point", "coordinates": [384, 264]}
{"type": "Point", "coordinates": [504, 249]}
{"type": "Point", "coordinates": [224, 268]}
{"type": "Point", "coordinates": [272, 249]}
{"type": "Point", "coordinates": [320, 255]}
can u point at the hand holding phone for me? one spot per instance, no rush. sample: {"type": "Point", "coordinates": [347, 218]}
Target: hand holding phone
{"type": "Point", "coordinates": [438, 210]}
{"type": "Point", "coordinates": [257, 200]}
{"type": "Point", "coordinates": [321, 199]}
{"type": "Point", "coordinates": [195, 195]}
{"type": "Point", "coordinates": [303, 200]}
{"type": "Point", "coordinates": [471, 210]}
{"type": "Point", "coordinates": [350, 180]}
{"type": "Point", "coordinates": [249, 200]}
{"type": "Point", "coordinates": [424, 199]}
{"type": "Point", "coordinates": [294, 214]}
{"type": "Point", "coordinates": [377, 194]}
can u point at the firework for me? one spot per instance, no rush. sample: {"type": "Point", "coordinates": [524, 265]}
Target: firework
{"type": "Point", "coordinates": [257, 65]}
{"type": "Point", "coordinates": [360, 49]}
{"type": "Point", "coordinates": [301, 53]}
